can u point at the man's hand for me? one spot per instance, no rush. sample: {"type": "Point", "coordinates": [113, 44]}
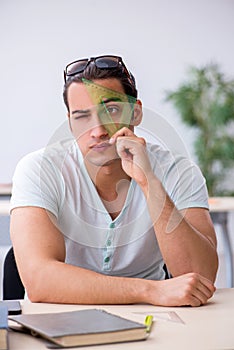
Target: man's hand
{"type": "Point", "coordinates": [132, 151]}
{"type": "Point", "coordinates": [190, 289]}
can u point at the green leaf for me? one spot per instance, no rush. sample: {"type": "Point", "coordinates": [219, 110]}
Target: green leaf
{"type": "Point", "coordinates": [205, 101]}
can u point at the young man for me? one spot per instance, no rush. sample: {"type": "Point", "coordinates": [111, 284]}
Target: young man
{"type": "Point", "coordinates": [94, 220]}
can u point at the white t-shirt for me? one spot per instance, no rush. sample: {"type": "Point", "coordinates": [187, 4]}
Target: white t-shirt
{"type": "Point", "coordinates": [55, 178]}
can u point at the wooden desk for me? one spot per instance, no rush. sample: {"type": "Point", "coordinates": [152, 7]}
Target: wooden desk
{"type": "Point", "coordinates": [5, 193]}
{"type": "Point", "coordinates": [4, 206]}
{"type": "Point", "coordinates": [4, 221]}
{"type": "Point", "coordinates": [221, 204]}
{"type": "Point", "coordinates": [206, 327]}
{"type": "Point", "coordinates": [5, 189]}
{"type": "Point", "coordinates": [219, 210]}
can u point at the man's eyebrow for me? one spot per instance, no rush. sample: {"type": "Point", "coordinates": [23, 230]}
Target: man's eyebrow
{"type": "Point", "coordinates": [82, 111]}
{"type": "Point", "coordinates": [112, 99]}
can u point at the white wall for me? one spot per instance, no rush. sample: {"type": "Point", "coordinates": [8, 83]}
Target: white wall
{"type": "Point", "coordinates": [157, 38]}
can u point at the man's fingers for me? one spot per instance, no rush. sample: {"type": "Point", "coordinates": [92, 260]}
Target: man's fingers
{"type": "Point", "coordinates": [200, 296]}
{"type": "Point", "coordinates": [208, 283]}
{"type": "Point", "coordinates": [122, 132]}
{"type": "Point", "coordinates": [194, 301]}
{"type": "Point", "coordinates": [197, 289]}
{"type": "Point", "coordinates": [206, 286]}
{"type": "Point", "coordinates": [202, 290]}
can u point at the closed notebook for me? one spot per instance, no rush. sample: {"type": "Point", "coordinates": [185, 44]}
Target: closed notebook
{"type": "Point", "coordinates": [83, 327]}
{"type": "Point", "coordinates": [3, 327]}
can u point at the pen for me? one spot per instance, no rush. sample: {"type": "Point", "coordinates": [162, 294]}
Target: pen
{"type": "Point", "coordinates": [148, 323]}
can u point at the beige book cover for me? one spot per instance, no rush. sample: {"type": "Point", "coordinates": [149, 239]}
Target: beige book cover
{"type": "Point", "coordinates": [82, 327]}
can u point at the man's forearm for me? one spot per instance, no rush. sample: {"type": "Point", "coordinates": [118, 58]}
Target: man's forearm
{"type": "Point", "coordinates": [183, 247]}
{"type": "Point", "coordinates": [63, 283]}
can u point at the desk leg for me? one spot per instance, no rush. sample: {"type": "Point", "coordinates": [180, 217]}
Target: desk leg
{"type": "Point", "coordinates": [228, 257]}
{"type": "Point", "coordinates": [221, 218]}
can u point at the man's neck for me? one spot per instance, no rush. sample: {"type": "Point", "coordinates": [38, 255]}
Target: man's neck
{"type": "Point", "coordinates": [110, 180]}
{"type": "Point", "coordinates": [112, 185]}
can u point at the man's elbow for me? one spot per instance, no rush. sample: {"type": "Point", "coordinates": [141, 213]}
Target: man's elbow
{"type": "Point", "coordinates": [36, 286]}
{"type": "Point", "coordinates": [34, 290]}
{"type": "Point", "coordinates": [206, 267]}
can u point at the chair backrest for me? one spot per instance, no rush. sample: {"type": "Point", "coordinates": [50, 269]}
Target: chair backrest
{"type": "Point", "coordinates": [12, 285]}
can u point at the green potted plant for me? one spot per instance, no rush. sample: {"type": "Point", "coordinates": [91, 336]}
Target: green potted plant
{"type": "Point", "coordinates": [206, 102]}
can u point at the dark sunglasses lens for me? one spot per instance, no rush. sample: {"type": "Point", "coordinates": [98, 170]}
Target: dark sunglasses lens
{"type": "Point", "coordinates": [76, 67]}
{"type": "Point", "coordinates": [107, 62]}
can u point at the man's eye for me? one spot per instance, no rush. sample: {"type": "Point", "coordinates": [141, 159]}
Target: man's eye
{"type": "Point", "coordinates": [81, 116]}
{"type": "Point", "coordinates": [113, 110]}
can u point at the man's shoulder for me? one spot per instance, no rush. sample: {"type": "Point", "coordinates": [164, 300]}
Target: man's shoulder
{"type": "Point", "coordinates": [31, 158]}
{"type": "Point", "coordinates": [55, 153]}
{"type": "Point", "coordinates": [162, 155]}
{"type": "Point", "coordinates": [170, 165]}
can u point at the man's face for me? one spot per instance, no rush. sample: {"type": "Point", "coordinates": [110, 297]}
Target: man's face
{"type": "Point", "coordinates": [97, 110]}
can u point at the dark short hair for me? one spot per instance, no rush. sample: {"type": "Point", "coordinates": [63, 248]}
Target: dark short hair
{"type": "Point", "coordinates": [92, 73]}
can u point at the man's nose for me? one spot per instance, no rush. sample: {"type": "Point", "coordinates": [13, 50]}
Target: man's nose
{"type": "Point", "coordinates": [98, 130]}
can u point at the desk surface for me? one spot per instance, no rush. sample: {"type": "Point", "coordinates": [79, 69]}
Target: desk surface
{"type": "Point", "coordinates": [5, 189]}
{"type": "Point", "coordinates": [206, 327]}
{"type": "Point", "coordinates": [4, 206]}
{"type": "Point", "coordinates": [218, 204]}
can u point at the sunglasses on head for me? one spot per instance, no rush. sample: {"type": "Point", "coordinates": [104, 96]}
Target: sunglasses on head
{"type": "Point", "coordinates": [101, 62]}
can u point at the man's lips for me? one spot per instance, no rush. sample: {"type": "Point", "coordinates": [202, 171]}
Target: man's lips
{"type": "Point", "coordinates": [100, 146]}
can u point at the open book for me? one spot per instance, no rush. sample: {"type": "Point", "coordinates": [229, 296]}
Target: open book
{"type": "Point", "coordinates": [83, 327]}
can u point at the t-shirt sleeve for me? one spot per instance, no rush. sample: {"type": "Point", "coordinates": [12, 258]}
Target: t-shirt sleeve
{"type": "Point", "coordinates": [185, 184]}
{"type": "Point", "coordinates": [180, 176]}
{"type": "Point", "coordinates": [37, 182]}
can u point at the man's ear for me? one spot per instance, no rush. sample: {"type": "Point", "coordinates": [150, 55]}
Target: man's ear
{"type": "Point", "coordinates": [137, 113]}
